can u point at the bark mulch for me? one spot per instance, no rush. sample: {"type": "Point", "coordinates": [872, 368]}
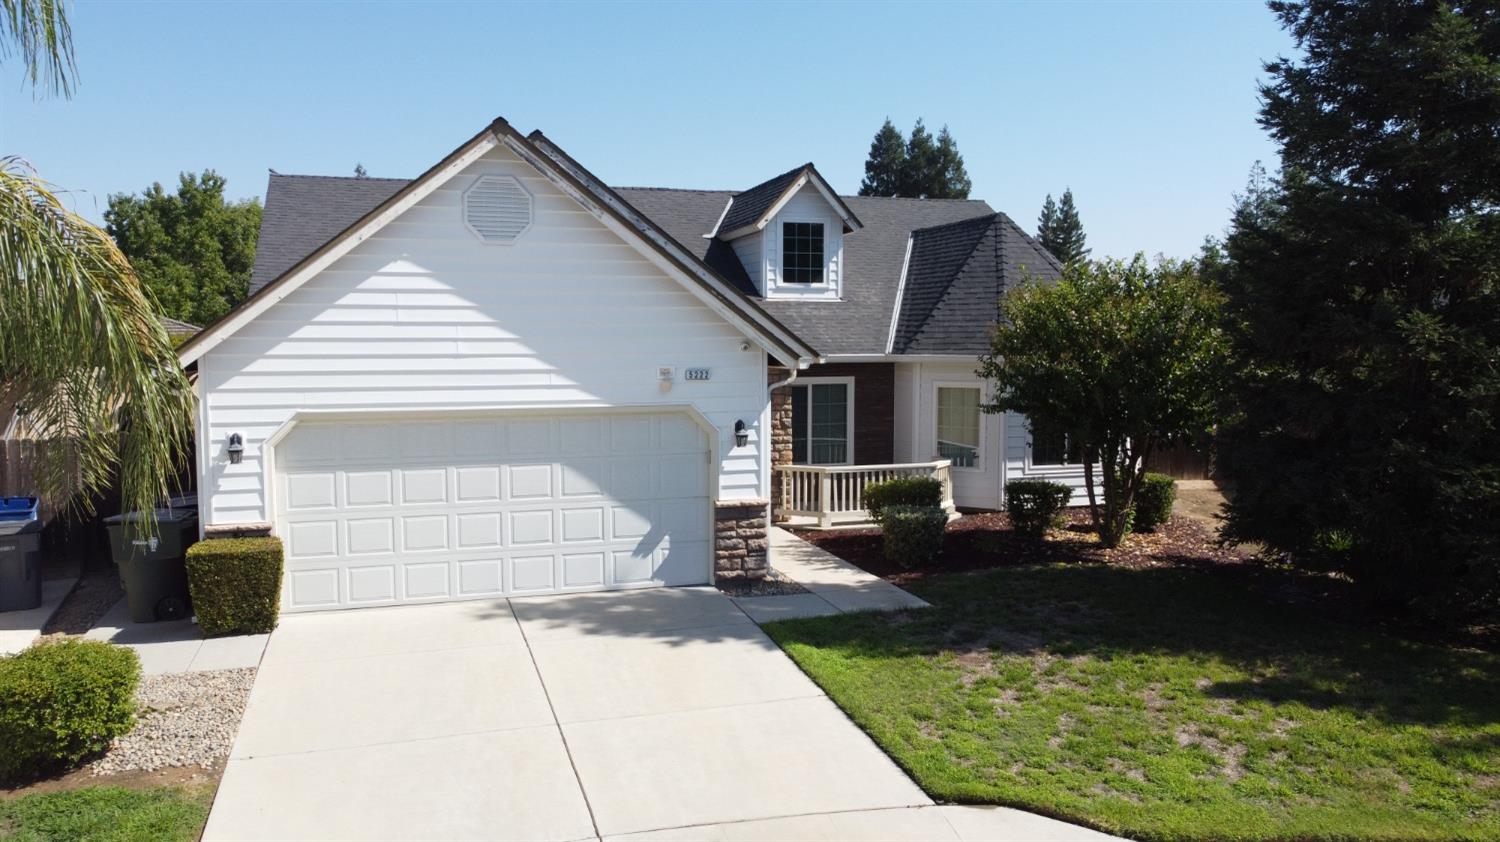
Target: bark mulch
{"type": "Point", "coordinates": [983, 540]}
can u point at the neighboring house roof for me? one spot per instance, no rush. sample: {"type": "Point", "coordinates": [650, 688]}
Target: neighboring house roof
{"type": "Point", "coordinates": [565, 173]}
{"type": "Point", "coordinates": [177, 327]}
{"type": "Point", "coordinates": [964, 254]}
{"type": "Point", "coordinates": [954, 280]}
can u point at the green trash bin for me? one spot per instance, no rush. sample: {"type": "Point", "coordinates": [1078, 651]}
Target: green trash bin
{"type": "Point", "coordinates": [20, 564]}
{"type": "Point", "coordinates": [152, 569]}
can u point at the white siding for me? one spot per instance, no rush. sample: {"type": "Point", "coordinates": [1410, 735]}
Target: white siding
{"type": "Point", "coordinates": [424, 316]}
{"type": "Point", "coordinates": [748, 250]}
{"type": "Point", "coordinates": [1006, 440]}
{"type": "Point", "coordinates": [1018, 462]}
{"type": "Point", "coordinates": [807, 205]}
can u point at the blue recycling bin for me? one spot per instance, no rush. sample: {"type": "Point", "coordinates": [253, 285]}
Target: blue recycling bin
{"type": "Point", "coordinates": [18, 508]}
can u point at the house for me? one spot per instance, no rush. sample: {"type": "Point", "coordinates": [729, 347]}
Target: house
{"type": "Point", "coordinates": [505, 377]}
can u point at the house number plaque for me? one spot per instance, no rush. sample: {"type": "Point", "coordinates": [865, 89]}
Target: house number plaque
{"type": "Point", "coordinates": [696, 374]}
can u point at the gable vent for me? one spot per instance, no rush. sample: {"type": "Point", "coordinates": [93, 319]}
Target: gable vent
{"type": "Point", "coordinates": [497, 209]}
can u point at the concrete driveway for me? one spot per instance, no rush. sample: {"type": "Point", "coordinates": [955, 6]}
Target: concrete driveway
{"type": "Point", "coordinates": [664, 712]}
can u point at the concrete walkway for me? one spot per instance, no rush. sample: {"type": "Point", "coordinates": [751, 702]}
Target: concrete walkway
{"type": "Point", "coordinates": [834, 585]}
{"type": "Point", "coordinates": [664, 712]}
{"type": "Point", "coordinates": [176, 646]}
{"type": "Point", "coordinates": [20, 629]}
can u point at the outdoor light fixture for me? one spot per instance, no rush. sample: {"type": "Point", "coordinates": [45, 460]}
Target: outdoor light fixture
{"type": "Point", "coordinates": [741, 435]}
{"type": "Point", "coordinates": [236, 448]}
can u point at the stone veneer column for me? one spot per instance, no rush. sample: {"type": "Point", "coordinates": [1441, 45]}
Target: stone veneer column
{"type": "Point", "coordinates": [781, 435]}
{"type": "Point", "coordinates": [740, 539]}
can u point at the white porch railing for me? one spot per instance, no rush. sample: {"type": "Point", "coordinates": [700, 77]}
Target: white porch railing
{"type": "Point", "coordinates": [833, 494]}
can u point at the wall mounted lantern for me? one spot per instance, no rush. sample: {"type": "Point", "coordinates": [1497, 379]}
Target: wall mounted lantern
{"type": "Point", "coordinates": [741, 435]}
{"type": "Point", "coordinates": [236, 448]}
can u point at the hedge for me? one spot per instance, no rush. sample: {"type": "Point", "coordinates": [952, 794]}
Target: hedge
{"type": "Point", "coordinates": [901, 491]}
{"type": "Point", "coordinates": [62, 702]}
{"type": "Point", "coordinates": [1035, 504]}
{"type": "Point", "coordinates": [913, 534]}
{"type": "Point", "coordinates": [1153, 502]}
{"type": "Point", "coordinates": [236, 584]}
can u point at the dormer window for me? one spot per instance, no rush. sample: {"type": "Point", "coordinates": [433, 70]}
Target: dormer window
{"type": "Point", "coordinates": [802, 260]}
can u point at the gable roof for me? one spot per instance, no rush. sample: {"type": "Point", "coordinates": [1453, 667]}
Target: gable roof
{"type": "Point", "coordinates": [572, 179]}
{"type": "Point", "coordinates": [302, 212]}
{"type": "Point", "coordinates": [955, 277]}
{"type": "Point", "coordinates": [752, 209]}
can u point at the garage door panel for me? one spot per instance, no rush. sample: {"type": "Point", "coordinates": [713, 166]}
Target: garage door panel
{"type": "Point", "coordinates": [435, 510]}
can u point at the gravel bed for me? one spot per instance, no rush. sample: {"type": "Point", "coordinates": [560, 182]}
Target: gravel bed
{"type": "Point", "coordinates": [94, 595]}
{"type": "Point", "coordinates": [186, 719]}
{"type": "Point", "coordinates": [775, 584]}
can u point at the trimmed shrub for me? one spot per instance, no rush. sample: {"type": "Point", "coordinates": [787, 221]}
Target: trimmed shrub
{"type": "Point", "coordinates": [913, 534]}
{"type": "Point", "coordinates": [236, 584]}
{"type": "Point", "coordinates": [901, 491]}
{"type": "Point", "coordinates": [1035, 504]}
{"type": "Point", "coordinates": [61, 702]}
{"type": "Point", "coordinates": [1153, 502]}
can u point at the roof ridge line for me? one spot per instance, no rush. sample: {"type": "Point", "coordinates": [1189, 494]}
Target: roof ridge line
{"type": "Point", "coordinates": [275, 174]}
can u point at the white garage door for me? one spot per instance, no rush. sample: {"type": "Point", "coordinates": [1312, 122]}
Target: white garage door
{"type": "Point", "coordinates": [383, 512]}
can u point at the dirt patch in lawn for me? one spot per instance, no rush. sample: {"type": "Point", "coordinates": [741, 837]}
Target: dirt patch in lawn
{"type": "Point", "coordinates": [94, 594]}
{"type": "Point", "coordinates": [185, 776]}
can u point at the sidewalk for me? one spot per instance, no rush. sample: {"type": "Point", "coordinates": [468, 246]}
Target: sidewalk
{"type": "Point", "coordinates": [177, 646]}
{"type": "Point", "coordinates": [834, 585]}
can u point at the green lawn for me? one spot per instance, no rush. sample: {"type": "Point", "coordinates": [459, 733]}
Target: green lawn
{"type": "Point", "coordinates": [1167, 704]}
{"type": "Point", "coordinates": [107, 814]}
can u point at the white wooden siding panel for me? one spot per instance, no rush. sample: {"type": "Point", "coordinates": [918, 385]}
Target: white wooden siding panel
{"type": "Point", "coordinates": [424, 316]}
{"type": "Point", "coordinates": [1017, 457]}
{"type": "Point", "coordinates": [751, 252]}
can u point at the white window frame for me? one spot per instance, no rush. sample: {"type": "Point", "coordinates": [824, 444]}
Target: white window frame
{"type": "Point", "coordinates": [848, 417]}
{"type": "Point", "coordinates": [833, 260]}
{"type": "Point", "coordinates": [978, 466]}
{"type": "Point", "coordinates": [1033, 468]}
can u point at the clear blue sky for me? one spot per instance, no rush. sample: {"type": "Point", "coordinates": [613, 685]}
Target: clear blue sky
{"type": "Point", "coordinates": [1147, 109]}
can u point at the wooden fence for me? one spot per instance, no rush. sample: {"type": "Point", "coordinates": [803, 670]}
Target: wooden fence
{"type": "Point", "coordinates": [1184, 461]}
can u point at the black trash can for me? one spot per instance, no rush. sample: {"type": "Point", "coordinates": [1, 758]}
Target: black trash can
{"type": "Point", "coordinates": [20, 564]}
{"type": "Point", "coordinates": [152, 569]}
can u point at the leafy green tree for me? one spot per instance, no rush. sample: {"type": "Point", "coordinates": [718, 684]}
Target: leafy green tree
{"type": "Point", "coordinates": [360, 171]}
{"type": "Point", "coordinates": [193, 250]}
{"type": "Point", "coordinates": [1060, 231]}
{"type": "Point", "coordinates": [886, 163]}
{"type": "Point", "coordinates": [82, 348]}
{"type": "Point", "coordinates": [1363, 293]}
{"type": "Point", "coordinates": [1125, 357]}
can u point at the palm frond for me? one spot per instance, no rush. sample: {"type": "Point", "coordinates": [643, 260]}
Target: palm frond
{"type": "Point", "coordinates": [38, 31]}
{"type": "Point", "coordinates": [82, 348]}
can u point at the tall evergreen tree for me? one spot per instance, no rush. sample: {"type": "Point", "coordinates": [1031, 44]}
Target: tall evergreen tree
{"type": "Point", "coordinates": [360, 171]}
{"type": "Point", "coordinates": [951, 180]}
{"type": "Point", "coordinates": [1060, 231]}
{"type": "Point", "coordinates": [919, 176]}
{"type": "Point", "coordinates": [1363, 294]}
{"type": "Point", "coordinates": [887, 160]}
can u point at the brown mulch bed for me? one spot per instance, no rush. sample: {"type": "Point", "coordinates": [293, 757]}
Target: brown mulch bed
{"type": "Point", "coordinates": [982, 540]}
{"type": "Point", "coordinates": [985, 540]}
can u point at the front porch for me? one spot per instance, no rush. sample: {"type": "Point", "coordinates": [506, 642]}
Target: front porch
{"type": "Point", "coordinates": [824, 496]}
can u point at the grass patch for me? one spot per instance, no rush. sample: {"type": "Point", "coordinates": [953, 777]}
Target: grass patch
{"type": "Point", "coordinates": [107, 814]}
{"type": "Point", "coordinates": [1167, 704]}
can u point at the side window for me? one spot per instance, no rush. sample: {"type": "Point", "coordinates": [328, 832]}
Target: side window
{"type": "Point", "coordinates": [1053, 446]}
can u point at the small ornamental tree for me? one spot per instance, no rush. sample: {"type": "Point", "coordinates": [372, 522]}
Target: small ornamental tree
{"type": "Point", "coordinates": [1124, 356]}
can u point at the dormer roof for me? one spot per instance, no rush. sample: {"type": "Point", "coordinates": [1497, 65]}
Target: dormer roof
{"type": "Point", "coordinates": [753, 209]}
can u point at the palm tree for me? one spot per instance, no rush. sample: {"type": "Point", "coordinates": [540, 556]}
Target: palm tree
{"type": "Point", "coordinates": [82, 349]}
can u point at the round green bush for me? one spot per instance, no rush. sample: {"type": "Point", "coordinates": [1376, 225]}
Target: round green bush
{"type": "Point", "coordinates": [1035, 504]}
{"type": "Point", "coordinates": [901, 491]}
{"type": "Point", "coordinates": [913, 534]}
{"type": "Point", "coordinates": [61, 702]}
{"type": "Point", "coordinates": [1153, 502]}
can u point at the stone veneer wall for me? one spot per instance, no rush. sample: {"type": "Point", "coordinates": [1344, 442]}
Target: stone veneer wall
{"type": "Point", "coordinates": [740, 539]}
{"type": "Point", "coordinates": [781, 435]}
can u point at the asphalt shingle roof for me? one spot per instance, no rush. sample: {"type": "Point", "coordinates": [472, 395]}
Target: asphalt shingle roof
{"type": "Point", "coordinates": [302, 213]}
{"type": "Point", "coordinates": [750, 205]}
{"type": "Point", "coordinates": [955, 279]}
